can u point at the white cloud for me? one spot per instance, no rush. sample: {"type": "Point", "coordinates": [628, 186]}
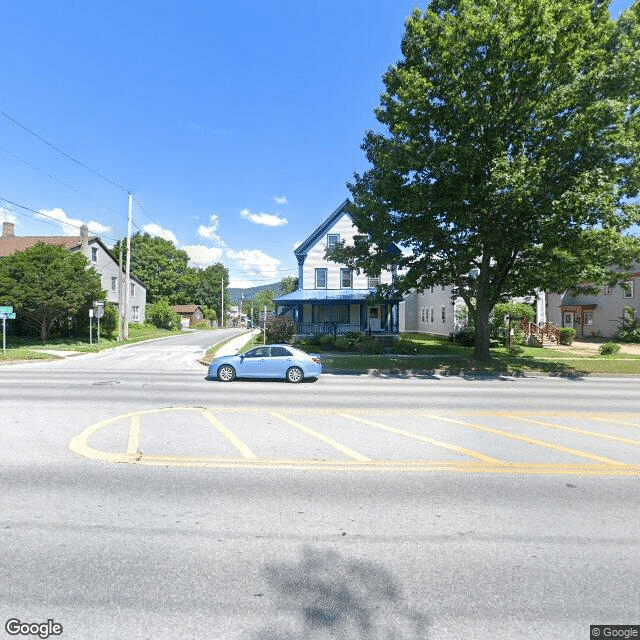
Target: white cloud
{"type": "Point", "coordinates": [211, 232]}
{"type": "Point", "coordinates": [201, 256]}
{"type": "Point", "coordinates": [160, 232]}
{"type": "Point", "coordinates": [7, 216]}
{"type": "Point", "coordinates": [71, 226]}
{"type": "Point", "coordinates": [256, 262]}
{"type": "Point", "coordinates": [241, 284]}
{"type": "Point", "coordinates": [281, 199]}
{"type": "Point", "coordinates": [266, 219]}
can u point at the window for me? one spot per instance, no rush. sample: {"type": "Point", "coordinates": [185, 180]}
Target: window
{"type": "Point", "coordinates": [114, 283]}
{"type": "Point", "coordinates": [135, 313]}
{"type": "Point", "coordinates": [332, 240]}
{"type": "Point", "coordinates": [346, 279]}
{"type": "Point", "coordinates": [444, 313]}
{"type": "Point", "coordinates": [133, 290]}
{"type": "Point", "coordinates": [373, 281]}
{"type": "Point", "coordinates": [279, 352]}
{"type": "Point", "coordinates": [588, 318]}
{"type": "Point", "coordinates": [94, 254]}
{"type": "Point", "coordinates": [627, 289]}
{"type": "Point", "coordinates": [321, 278]}
{"type": "Point", "coordinates": [260, 352]}
{"type": "Point", "coordinates": [341, 314]}
{"type": "Point", "coordinates": [320, 313]}
{"type": "Point", "coordinates": [431, 311]}
{"type": "Point", "coordinates": [422, 315]}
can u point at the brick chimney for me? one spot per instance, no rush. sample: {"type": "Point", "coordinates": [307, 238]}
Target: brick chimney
{"type": "Point", "coordinates": [8, 229]}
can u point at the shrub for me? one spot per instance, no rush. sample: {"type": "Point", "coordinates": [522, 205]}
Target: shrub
{"type": "Point", "coordinates": [608, 348]}
{"type": "Point", "coordinates": [326, 341]}
{"type": "Point", "coordinates": [280, 329]}
{"type": "Point", "coordinates": [342, 343]}
{"type": "Point", "coordinates": [567, 334]}
{"type": "Point", "coordinates": [405, 346]}
{"type": "Point", "coordinates": [465, 337]}
{"type": "Point", "coordinates": [369, 346]}
{"type": "Point", "coordinates": [109, 322]}
{"type": "Point", "coordinates": [161, 315]}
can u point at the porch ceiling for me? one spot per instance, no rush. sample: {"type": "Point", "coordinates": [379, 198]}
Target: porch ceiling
{"type": "Point", "coordinates": [324, 295]}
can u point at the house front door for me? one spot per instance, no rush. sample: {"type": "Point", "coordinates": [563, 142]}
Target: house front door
{"type": "Point", "coordinates": [374, 318]}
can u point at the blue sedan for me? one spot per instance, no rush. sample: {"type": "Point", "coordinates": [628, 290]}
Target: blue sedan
{"type": "Point", "coordinates": [279, 361]}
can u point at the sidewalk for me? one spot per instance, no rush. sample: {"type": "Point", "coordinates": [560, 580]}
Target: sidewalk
{"type": "Point", "coordinates": [235, 344]}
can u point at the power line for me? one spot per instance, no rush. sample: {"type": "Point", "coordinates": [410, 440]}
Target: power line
{"type": "Point", "coordinates": [66, 155]}
{"type": "Point", "coordinates": [56, 220]}
{"type": "Point", "coordinates": [64, 184]}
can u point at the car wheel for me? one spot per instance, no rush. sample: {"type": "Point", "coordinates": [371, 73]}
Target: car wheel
{"type": "Point", "coordinates": [295, 374]}
{"type": "Point", "coordinates": [226, 373]}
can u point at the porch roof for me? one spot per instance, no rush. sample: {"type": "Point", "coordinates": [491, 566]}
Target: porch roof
{"type": "Point", "coordinates": [324, 296]}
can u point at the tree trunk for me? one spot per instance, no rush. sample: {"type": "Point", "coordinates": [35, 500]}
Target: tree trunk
{"type": "Point", "coordinates": [482, 341]}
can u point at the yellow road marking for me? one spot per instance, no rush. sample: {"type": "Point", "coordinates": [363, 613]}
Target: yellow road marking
{"type": "Point", "coordinates": [415, 436]}
{"type": "Point", "coordinates": [595, 434]}
{"type": "Point", "coordinates": [620, 422]}
{"type": "Point", "coordinates": [326, 439]}
{"type": "Point", "coordinates": [230, 436]}
{"type": "Point", "coordinates": [515, 436]}
{"type": "Point", "coordinates": [133, 443]}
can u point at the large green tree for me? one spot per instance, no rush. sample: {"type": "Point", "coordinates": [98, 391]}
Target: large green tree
{"type": "Point", "coordinates": [507, 157]}
{"type": "Point", "coordinates": [162, 267]}
{"type": "Point", "coordinates": [48, 287]}
{"type": "Point", "coordinates": [209, 283]}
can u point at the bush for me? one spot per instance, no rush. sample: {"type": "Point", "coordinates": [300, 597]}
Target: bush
{"type": "Point", "coordinates": [161, 315]}
{"type": "Point", "coordinates": [369, 346]}
{"type": "Point", "coordinates": [465, 337]}
{"type": "Point", "coordinates": [326, 341]}
{"type": "Point", "coordinates": [405, 347]}
{"type": "Point", "coordinates": [567, 334]}
{"type": "Point", "coordinates": [280, 329]}
{"type": "Point", "coordinates": [608, 348]}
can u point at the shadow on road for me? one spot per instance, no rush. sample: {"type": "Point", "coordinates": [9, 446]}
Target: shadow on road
{"type": "Point", "coordinates": [325, 595]}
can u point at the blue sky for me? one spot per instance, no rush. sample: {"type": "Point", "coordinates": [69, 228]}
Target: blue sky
{"type": "Point", "coordinates": [236, 125]}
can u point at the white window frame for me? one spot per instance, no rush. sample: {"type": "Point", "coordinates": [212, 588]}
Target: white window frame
{"type": "Point", "coordinates": [431, 313]}
{"type": "Point", "coordinates": [332, 240]}
{"type": "Point", "coordinates": [627, 290]}
{"type": "Point", "coordinates": [135, 313]}
{"type": "Point", "coordinates": [422, 315]}
{"type": "Point", "coordinates": [588, 318]}
{"type": "Point", "coordinates": [343, 273]}
{"type": "Point", "coordinates": [94, 254]}
{"type": "Point", "coordinates": [114, 283]}
{"type": "Point", "coordinates": [317, 273]}
{"type": "Point", "coordinates": [133, 289]}
{"type": "Point", "coordinates": [444, 314]}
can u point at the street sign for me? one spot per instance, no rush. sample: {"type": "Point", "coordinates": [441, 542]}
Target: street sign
{"type": "Point", "coordinates": [7, 315]}
{"type": "Point", "coordinates": [6, 309]}
{"type": "Point", "coordinates": [99, 312]}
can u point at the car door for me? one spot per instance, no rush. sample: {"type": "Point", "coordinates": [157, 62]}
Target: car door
{"type": "Point", "coordinates": [278, 362]}
{"type": "Point", "coordinates": [252, 364]}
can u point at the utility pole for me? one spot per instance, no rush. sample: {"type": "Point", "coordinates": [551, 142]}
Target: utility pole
{"type": "Point", "coordinates": [127, 289]}
{"type": "Point", "coordinates": [120, 282]}
{"type": "Point", "coordinates": [222, 297]}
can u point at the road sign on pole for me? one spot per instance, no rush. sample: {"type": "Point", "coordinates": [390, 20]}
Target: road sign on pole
{"type": "Point", "coordinates": [6, 309]}
{"type": "Point", "coordinates": [7, 316]}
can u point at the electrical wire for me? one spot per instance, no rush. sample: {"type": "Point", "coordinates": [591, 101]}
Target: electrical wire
{"type": "Point", "coordinates": [66, 155]}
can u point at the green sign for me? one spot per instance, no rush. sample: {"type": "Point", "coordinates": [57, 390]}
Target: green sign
{"type": "Point", "coordinates": [6, 309]}
{"type": "Point", "coordinates": [7, 316]}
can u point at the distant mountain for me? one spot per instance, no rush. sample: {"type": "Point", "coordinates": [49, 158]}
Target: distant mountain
{"type": "Point", "coordinates": [235, 295]}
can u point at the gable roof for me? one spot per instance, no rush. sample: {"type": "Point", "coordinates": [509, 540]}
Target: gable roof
{"type": "Point", "coordinates": [13, 244]}
{"type": "Point", "coordinates": [186, 308]}
{"type": "Point", "coordinates": [326, 226]}
{"type": "Point", "coordinates": [303, 249]}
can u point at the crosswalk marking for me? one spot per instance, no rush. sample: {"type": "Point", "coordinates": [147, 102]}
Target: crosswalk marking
{"type": "Point", "coordinates": [230, 436]}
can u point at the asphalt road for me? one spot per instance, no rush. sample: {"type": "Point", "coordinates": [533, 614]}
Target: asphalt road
{"type": "Point", "coordinates": [351, 507]}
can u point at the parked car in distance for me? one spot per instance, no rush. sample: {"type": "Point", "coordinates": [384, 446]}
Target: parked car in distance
{"type": "Point", "coordinates": [277, 361]}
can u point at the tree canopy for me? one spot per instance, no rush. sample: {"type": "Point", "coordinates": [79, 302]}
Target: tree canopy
{"type": "Point", "coordinates": [507, 157]}
{"type": "Point", "coordinates": [165, 271]}
{"type": "Point", "coordinates": [49, 287]}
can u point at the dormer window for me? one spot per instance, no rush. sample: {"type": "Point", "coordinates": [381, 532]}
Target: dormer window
{"type": "Point", "coordinates": [332, 240]}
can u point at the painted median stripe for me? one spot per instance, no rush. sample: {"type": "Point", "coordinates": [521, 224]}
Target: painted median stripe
{"type": "Point", "coordinates": [230, 436]}
{"type": "Point", "coordinates": [415, 436]}
{"type": "Point", "coordinates": [133, 443]}
{"type": "Point", "coordinates": [539, 443]}
{"type": "Point", "coordinates": [326, 439]}
{"type": "Point", "coordinates": [583, 432]}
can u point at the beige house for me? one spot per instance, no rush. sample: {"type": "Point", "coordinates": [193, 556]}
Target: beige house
{"type": "Point", "coordinates": [99, 257]}
{"type": "Point", "coordinates": [595, 315]}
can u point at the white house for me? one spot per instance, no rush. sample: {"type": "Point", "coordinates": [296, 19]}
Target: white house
{"type": "Point", "coordinates": [99, 257]}
{"type": "Point", "coordinates": [330, 297]}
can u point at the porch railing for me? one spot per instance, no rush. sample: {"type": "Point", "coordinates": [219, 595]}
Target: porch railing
{"type": "Point", "coordinates": [311, 328]}
{"type": "Point", "coordinates": [539, 332]}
